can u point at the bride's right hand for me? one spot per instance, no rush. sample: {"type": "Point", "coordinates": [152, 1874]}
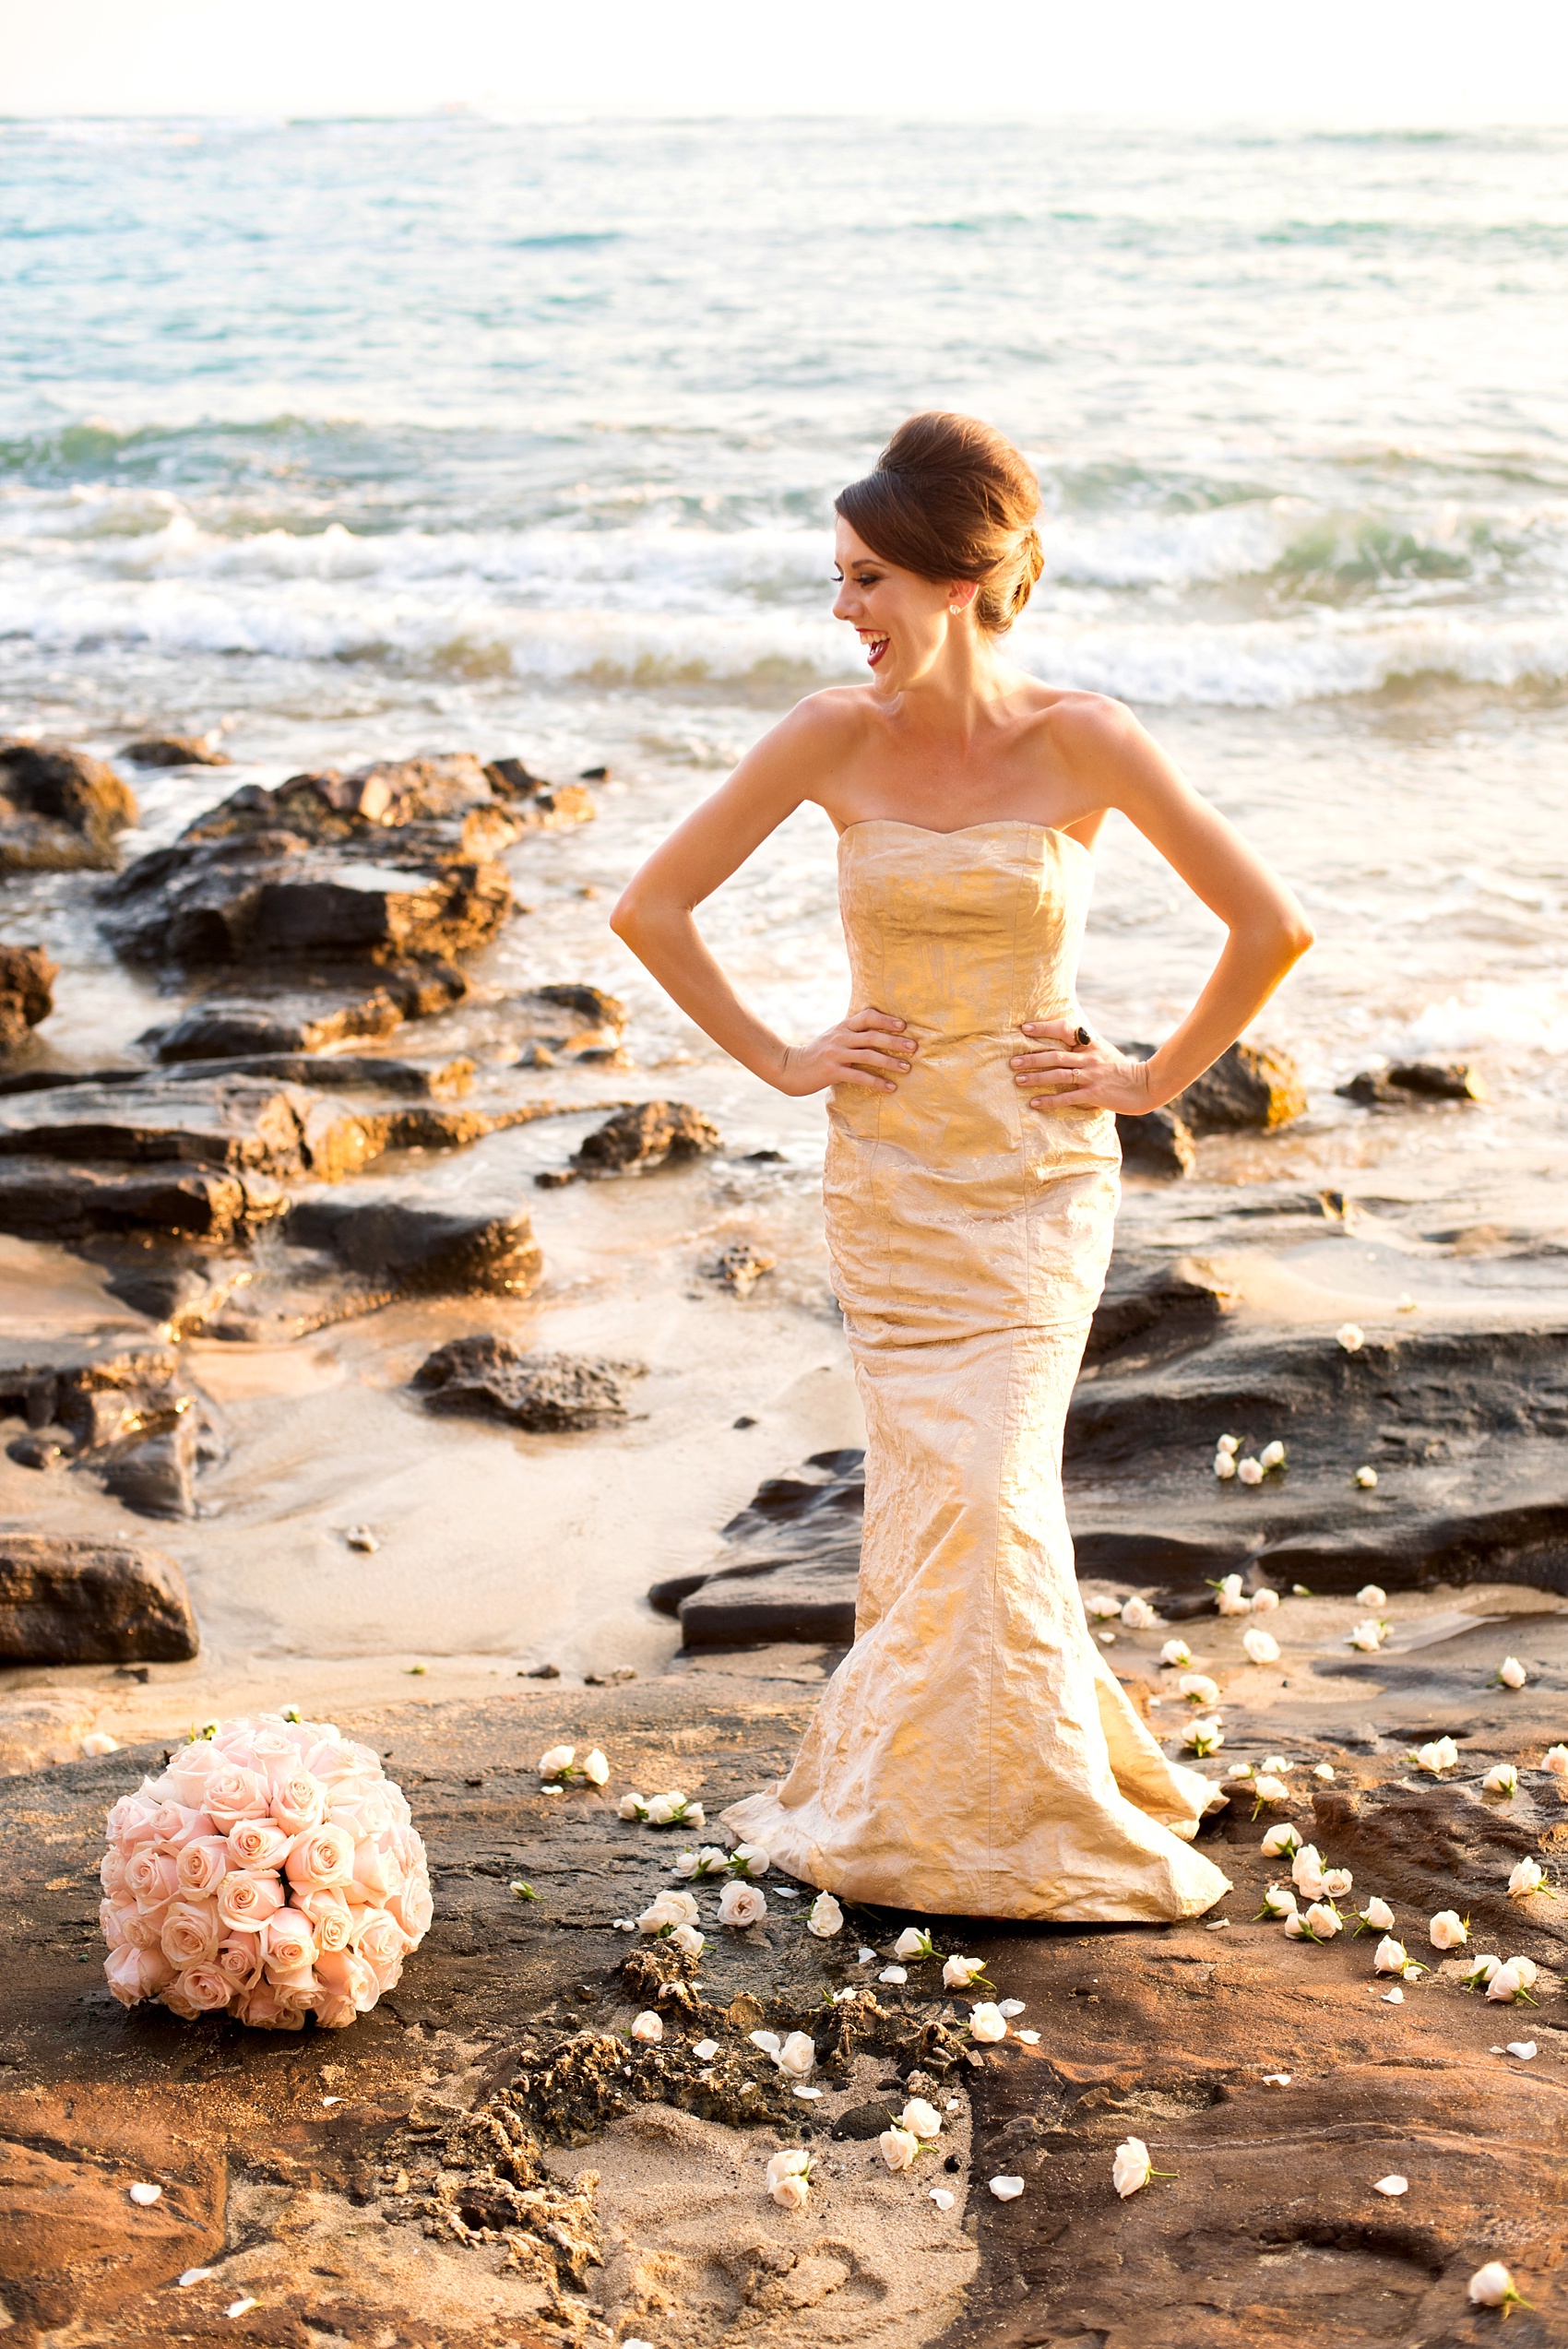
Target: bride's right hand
{"type": "Point", "coordinates": [869, 1048]}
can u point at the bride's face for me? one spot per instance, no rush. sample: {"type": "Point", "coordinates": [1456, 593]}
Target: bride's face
{"type": "Point", "coordinates": [902, 619]}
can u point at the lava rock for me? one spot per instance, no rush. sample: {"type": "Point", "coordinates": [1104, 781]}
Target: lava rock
{"type": "Point", "coordinates": [792, 1562]}
{"type": "Point", "coordinates": [739, 1267]}
{"type": "Point", "coordinates": [41, 1199]}
{"type": "Point", "coordinates": [1160, 1309]}
{"type": "Point", "coordinates": [648, 1133]}
{"type": "Point", "coordinates": [27, 991]}
{"type": "Point", "coordinates": [59, 810]}
{"type": "Point", "coordinates": [221, 1030]}
{"type": "Point", "coordinates": [423, 1250]}
{"type": "Point", "coordinates": [1404, 1081]}
{"type": "Point", "coordinates": [546, 1393]}
{"type": "Point", "coordinates": [541, 805]}
{"type": "Point", "coordinates": [1160, 1143]}
{"type": "Point", "coordinates": [388, 795]}
{"type": "Point", "coordinates": [176, 749]}
{"type": "Point", "coordinates": [235, 1122]}
{"type": "Point", "coordinates": [342, 1073]}
{"type": "Point", "coordinates": [84, 1602]}
{"type": "Point", "coordinates": [1251, 1086]}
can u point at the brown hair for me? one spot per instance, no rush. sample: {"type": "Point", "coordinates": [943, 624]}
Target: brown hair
{"type": "Point", "coordinates": [951, 498]}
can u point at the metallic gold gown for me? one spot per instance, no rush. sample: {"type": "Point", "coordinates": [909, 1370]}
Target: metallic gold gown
{"type": "Point", "coordinates": [973, 1753]}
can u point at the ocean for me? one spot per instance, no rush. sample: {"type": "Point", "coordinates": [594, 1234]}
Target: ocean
{"type": "Point", "coordinates": [351, 438]}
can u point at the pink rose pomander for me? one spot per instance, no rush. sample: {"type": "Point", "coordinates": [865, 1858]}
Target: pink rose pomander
{"type": "Point", "coordinates": [272, 1872]}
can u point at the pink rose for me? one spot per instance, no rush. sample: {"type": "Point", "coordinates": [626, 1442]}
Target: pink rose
{"type": "Point", "coordinates": [331, 1915]}
{"type": "Point", "coordinates": [174, 1999]}
{"type": "Point", "coordinates": [238, 1957]}
{"type": "Point", "coordinates": [257, 1843]}
{"type": "Point", "coordinates": [368, 1813]}
{"type": "Point", "coordinates": [272, 1749]}
{"type": "Point", "coordinates": [202, 1866]}
{"type": "Point", "coordinates": [191, 1931]}
{"type": "Point", "coordinates": [177, 1825]}
{"type": "Point", "coordinates": [246, 1899]}
{"type": "Point", "coordinates": [150, 1877]}
{"type": "Point", "coordinates": [413, 1909]}
{"type": "Point", "coordinates": [319, 1859]}
{"type": "Point", "coordinates": [299, 1801]}
{"type": "Point", "coordinates": [348, 1975]}
{"type": "Point", "coordinates": [186, 1776]}
{"type": "Point", "coordinates": [377, 1867]}
{"type": "Point", "coordinates": [233, 1794]}
{"type": "Point", "coordinates": [288, 1941]}
{"type": "Point", "coordinates": [334, 2013]}
{"type": "Point", "coordinates": [111, 1870]}
{"type": "Point", "coordinates": [331, 1760]}
{"type": "Point", "coordinates": [116, 1921]}
{"type": "Point", "coordinates": [131, 1821]}
{"type": "Point", "coordinates": [382, 1944]}
{"type": "Point", "coordinates": [298, 1992]}
{"type": "Point", "coordinates": [134, 1975]}
{"type": "Point", "coordinates": [260, 2008]}
{"type": "Point", "coordinates": [205, 1988]}
{"type": "Point", "coordinates": [406, 1843]}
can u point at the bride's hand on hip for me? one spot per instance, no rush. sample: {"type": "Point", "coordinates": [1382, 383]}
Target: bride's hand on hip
{"type": "Point", "coordinates": [1068, 1068]}
{"type": "Point", "coordinates": [868, 1049]}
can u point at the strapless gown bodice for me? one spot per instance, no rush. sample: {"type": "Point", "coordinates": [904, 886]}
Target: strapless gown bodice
{"type": "Point", "coordinates": [973, 1753]}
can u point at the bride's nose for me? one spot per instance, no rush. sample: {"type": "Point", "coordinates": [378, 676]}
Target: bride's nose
{"type": "Point", "coordinates": [846, 603]}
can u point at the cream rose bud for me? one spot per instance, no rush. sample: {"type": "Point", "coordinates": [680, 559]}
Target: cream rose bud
{"type": "Point", "coordinates": [1280, 1838]}
{"type": "Point", "coordinates": [1265, 1601]}
{"type": "Point", "coordinates": [899, 2147]}
{"type": "Point", "coordinates": [328, 1856]}
{"type": "Point", "coordinates": [1278, 1901]}
{"type": "Point", "coordinates": [596, 1769]}
{"type": "Point", "coordinates": [825, 1917]}
{"type": "Point", "coordinates": [740, 1904]}
{"type": "Point", "coordinates": [1250, 1471]}
{"type": "Point", "coordinates": [1512, 1673]}
{"type": "Point", "coordinates": [1350, 1337]}
{"type": "Point", "coordinates": [1272, 1457]}
{"type": "Point", "coordinates": [1390, 1956]}
{"type": "Point", "coordinates": [257, 1843]}
{"type": "Point", "coordinates": [648, 2028]}
{"type": "Point", "coordinates": [1324, 1920]}
{"type": "Point", "coordinates": [688, 1941]}
{"type": "Point", "coordinates": [797, 2055]}
{"type": "Point", "coordinates": [1138, 1615]}
{"type": "Point", "coordinates": [1130, 2168]}
{"type": "Point", "coordinates": [1199, 1687]}
{"type": "Point", "coordinates": [750, 1858]}
{"type": "Point", "coordinates": [1506, 1983]}
{"type": "Point", "coordinates": [1262, 1647]}
{"type": "Point", "coordinates": [660, 1811]}
{"type": "Point", "coordinates": [921, 2118]}
{"type": "Point", "coordinates": [1529, 1876]}
{"type": "Point", "coordinates": [245, 1900]}
{"type": "Point", "coordinates": [1377, 1916]}
{"type": "Point", "coordinates": [1367, 1636]}
{"type": "Point", "coordinates": [557, 1759]}
{"type": "Point", "coordinates": [909, 1944]}
{"type": "Point", "coordinates": [1503, 1780]}
{"type": "Point", "coordinates": [201, 1865]}
{"type": "Point", "coordinates": [1271, 1789]}
{"type": "Point", "coordinates": [1448, 1930]}
{"type": "Point", "coordinates": [959, 1972]}
{"type": "Point", "coordinates": [695, 1815]}
{"type": "Point", "coordinates": [1337, 1882]}
{"type": "Point", "coordinates": [1175, 1652]}
{"type": "Point", "coordinates": [792, 2161]}
{"type": "Point", "coordinates": [791, 2193]}
{"type": "Point", "coordinates": [631, 1807]}
{"type": "Point", "coordinates": [670, 1908]}
{"type": "Point", "coordinates": [987, 2022]}
{"type": "Point", "coordinates": [1223, 1466]}
{"type": "Point", "coordinates": [1491, 2286]}
{"type": "Point", "coordinates": [288, 1940]}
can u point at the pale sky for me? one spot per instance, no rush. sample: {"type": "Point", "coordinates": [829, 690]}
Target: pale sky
{"type": "Point", "coordinates": [1350, 61]}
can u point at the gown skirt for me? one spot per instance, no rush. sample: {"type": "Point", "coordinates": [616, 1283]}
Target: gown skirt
{"type": "Point", "coordinates": [973, 1754]}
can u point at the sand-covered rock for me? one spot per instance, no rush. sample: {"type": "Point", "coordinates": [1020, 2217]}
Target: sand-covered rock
{"type": "Point", "coordinates": [60, 810]}
{"type": "Point", "coordinates": [648, 1133]}
{"type": "Point", "coordinates": [87, 1602]}
{"type": "Point", "coordinates": [1404, 1082]}
{"type": "Point", "coordinates": [27, 991]}
{"type": "Point", "coordinates": [421, 1248]}
{"type": "Point", "coordinates": [545, 1393]}
{"type": "Point", "coordinates": [124, 1413]}
{"type": "Point", "coordinates": [175, 750]}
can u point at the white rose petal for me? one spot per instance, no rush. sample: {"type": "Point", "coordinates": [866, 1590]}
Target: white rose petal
{"type": "Point", "coordinates": [1524, 2049]}
{"type": "Point", "coordinates": [1029, 2038]}
{"type": "Point", "coordinates": [1006, 2189]}
{"type": "Point", "coordinates": [145, 2195]}
{"type": "Point", "coordinates": [1106, 1638]}
{"type": "Point", "coordinates": [1391, 2185]}
{"type": "Point", "coordinates": [893, 1974]}
{"type": "Point", "coordinates": [554, 1787]}
{"type": "Point", "coordinates": [706, 2049]}
{"type": "Point", "coordinates": [1250, 1471]}
{"type": "Point", "coordinates": [1324, 1769]}
{"type": "Point", "coordinates": [1175, 1652]}
{"type": "Point", "coordinates": [941, 2197]}
{"type": "Point", "coordinates": [1010, 2007]}
{"type": "Point", "coordinates": [1448, 1930]}
{"type": "Point", "coordinates": [1529, 1876]}
{"type": "Point", "coordinates": [807, 2094]}
{"type": "Point", "coordinates": [192, 2275]}
{"type": "Point", "coordinates": [899, 2147]}
{"type": "Point", "coordinates": [1350, 1338]}
{"type": "Point", "coordinates": [825, 1917]}
{"type": "Point", "coordinates": [768, 2041]}
{"type": "Point", "coordinates": [1512, 1673]}
{"type": "Point", "coordinates": [1394, 1998]}
{"type": "Point", "coordinates": [1491, 2286]}
{"type": "Point", "coordinates": [1277, 2078]}
{"type": "Point", "coordinates": [1130, 2168]}
{"type": "Point", "coordinates": [1262, 1647]}
{"type": "Point", "coordinates": [865, 1957]}
{"type": "Point", "coordinates": [242, 2308]}
{"type": "Point", "coordinates": [987, 2023]}
{"type": "Point", "coordinates": [648, 2028]}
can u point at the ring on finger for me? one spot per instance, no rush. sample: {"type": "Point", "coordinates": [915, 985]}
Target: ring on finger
{"type": "Point", "coordinates": [1081, 1038]}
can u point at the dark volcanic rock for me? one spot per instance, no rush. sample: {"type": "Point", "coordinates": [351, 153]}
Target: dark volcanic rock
{"type": "Point", "coordinates": [543, 1393]}
{"type": "Point", "coordinates": [650, 1133]}
{"type": "Point", "coordinates": [1154, 1311]}
{"type": "Point", "coordinates": [83, 1602]}
{"type": "Point", "coordinates": [176, 749]}
{"type": "Point", "coordinates": [1404, 1082]}
{"type": "Point", "coordinates": [27, 991]}
{"type": "Point", "coordinates": [739, 1267]}
{"type": "Point", "coordinates": [422, 1249]}
{"type": "Point", "coordinates": [236, 1122]}
{"type": "Point", "coordinates": [548, 806]}
{"type": "Point", "coordinates": [1250, 1086]}
{"type": "Point", "coordinates": [1158, 1144]}
{"type": "Point", "coordinates": [268, 898]}
{"type": "Point", "coordinates": [223, 1029]}
{"type": "Point", "coordinates": [59, 810]}
{"type": "Point", "coordinates": [125, 1416]}
{"type": "Point", "coordinates": [341, 1073]}
{"type": "Point", "coordinates": [41, 1199]}
{"type": "Point", "coordinates": [791, 1564]}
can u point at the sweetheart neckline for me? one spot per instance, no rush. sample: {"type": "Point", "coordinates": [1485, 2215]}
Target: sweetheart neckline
{"type": "Point", "coordinates": [996, 823]}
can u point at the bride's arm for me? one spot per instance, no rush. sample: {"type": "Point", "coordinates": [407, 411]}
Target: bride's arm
{"type": "Point", "coordinates": [655, 915]}
{"type": "Point", "coordinates": [1118, 765]}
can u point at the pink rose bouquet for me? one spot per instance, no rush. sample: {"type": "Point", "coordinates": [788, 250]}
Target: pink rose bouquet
{"type": "Point", "coordinates": [273, 1871]}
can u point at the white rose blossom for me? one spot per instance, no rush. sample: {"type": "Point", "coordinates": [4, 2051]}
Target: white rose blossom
{"type": "Point", "coordinates": [1366, 1477]}
{"type": "Point", "coordinates": [557, 1760]}
{"type": "Point", "coordinates": [1131, 2169]}
{"type": "Point", "coordinates": [1280, 1838]}
{"type": "Point", "coordinates": [1278, 1900]}
{"type": "Point", "coordinates": [1337, 1882]}
{"type": "Point", "coordinates": [1204, 1737]}
{"type": "Point", "coordinates": [825, 1918]}
{"type": "Point", "coordinates": [1370, 1595]}
{"type": "Point", "coordinates": [1377, 1918]}
{"type": "Point", "coordinates": [1250, 1471]}
{"type": "Point", "coordinates": [1368, 1636]}
{"type": "Point", "coordinates": [596, 1769]}
{"type": "Point", "coordinates": [1483, 1965]}
{"type": "Point", "coordinates": [667, 1910]}
{"type": "Point", "coordinates": [1102, 1609]}
{"type": "Point", "coordinates": [987, 2023]}
{"type": "Point", "coordinates": [797, 2055]}
{"type": "Point", "coordinates": [688, 1941]}
{"type": "Point", "coordinates": [1265, 1601]}
{"type": "Point", "coordinates": [1501, 1780]}
{"type": "Point", "coordinates": [1440, 1755]}
{"type": "Point", "coordinates": [1448, 1930]}
{"type": "Point", "coordinates": [1175, 1652]}
{"type": "Point", "coordinates": [1198, 1689]}
{"type": "Point", "coordinates": [1392, 1957]}
{"type": "Point", "coordinates": [959, 1972]}
{"type": "Point", "coordinates": [1225, 1466]}
{"type": "Point", "coordinates": [648, 2028]}
{"type": "Point", "coordinates": [1227, 1444]}
{"type": "Point", "coordinates": [708, 1861]}
{"type": "Point", "coordinates": [1512, 1981]}
{"type": "Point", "coordinates": [742, 1904]}
{"type": "Point", "coordinates": [913, 1943]}
{"type": "Point", "coordinates": [1349, 1336]}
{"type": "Point", "coordinates": [921, 2118]}
{"type": "Point", "coordinates": [632, 1806]}
{"type": "Point", "coordinates": [1555, 1758]}
{"type": "Point", "coordinates": [749, 1859]}
{"type": "Point", "coordinates": [1306, 1871]}
{"type": "Point", "coordinates": [1529, 1876]}
{"type": "Point", "coordinates": [1138, 1615]}
{"type": "Point", "coordinates": [1512, 1673]}
{"type": "Point", "coordinates": [1324, 1920]}
{"type": "Point", "coordinates": [1493, 2287]}
{"type": "Point", "coordinates": [899, 2148]}
{"type": "Point", "coordinates": [1262, 1647]}
{"type": "Point", "coordinates": [1271, 1456]}
{"type": "Point", "coordinates": [788, 2179]}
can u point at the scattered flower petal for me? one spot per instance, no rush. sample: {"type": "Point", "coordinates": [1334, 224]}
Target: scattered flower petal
{"type": "Point", "coordinates": [941, 2197]}
{"type": "Point", "coordinates": [1006, 2189]}
{"type": "Point", "coordinates": [241, 2308]}
{"type": "Point", "coordinates": [1277, 2078]}
{"type": "Point", "coordinates": [1392, 2185]}
{"type": "Point", "coordinates": [1011, 2007]}
{"type": "Point", "coordinates": [1524, 2049]}
{"type": "Point", "coordinates": [808, 2093]}
{"type": "Point", "coordinates": [1324, 1769]}
{"type": "Point", "coordinates": [192, 2275]}
{"type": "Point", "coordinates": [894, 1974]}
{"type": "Point", "coordinates": [865, 1957]}
{"type": "Point", "coordinates": [1394, 1998]}
{"type": "Point", "coordinates": [146, 2195]}
{"type": "Point", "coordinates": [1029, 2038]}
{"type": "Point", "coordinates": [706, 2049]}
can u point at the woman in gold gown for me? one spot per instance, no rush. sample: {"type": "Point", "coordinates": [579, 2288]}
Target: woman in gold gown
{"type": "Point", "coordinates": [973, 1754]}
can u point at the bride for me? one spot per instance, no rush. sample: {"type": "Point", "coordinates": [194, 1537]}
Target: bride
{"type": "Point", "coordinates": [973, 1753]}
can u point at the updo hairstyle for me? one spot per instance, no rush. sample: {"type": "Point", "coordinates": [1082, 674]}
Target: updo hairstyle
{"type": "Point", "coordinates": [952, 499]}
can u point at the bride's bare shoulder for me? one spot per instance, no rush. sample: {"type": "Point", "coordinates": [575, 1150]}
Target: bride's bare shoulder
{"type": "Point", "coordinates": [839, 715]}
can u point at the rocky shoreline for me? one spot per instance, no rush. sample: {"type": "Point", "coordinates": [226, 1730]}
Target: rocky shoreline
{"type": "Point", "coordinates": [355, 1227]}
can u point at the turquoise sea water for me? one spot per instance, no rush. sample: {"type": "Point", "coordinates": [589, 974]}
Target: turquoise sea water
{"type": "Point", "coordinates": [360, 436]}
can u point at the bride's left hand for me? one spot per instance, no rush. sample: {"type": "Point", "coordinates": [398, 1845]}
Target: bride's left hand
{"type": "Point", "coordinates": [1065, 1073]}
